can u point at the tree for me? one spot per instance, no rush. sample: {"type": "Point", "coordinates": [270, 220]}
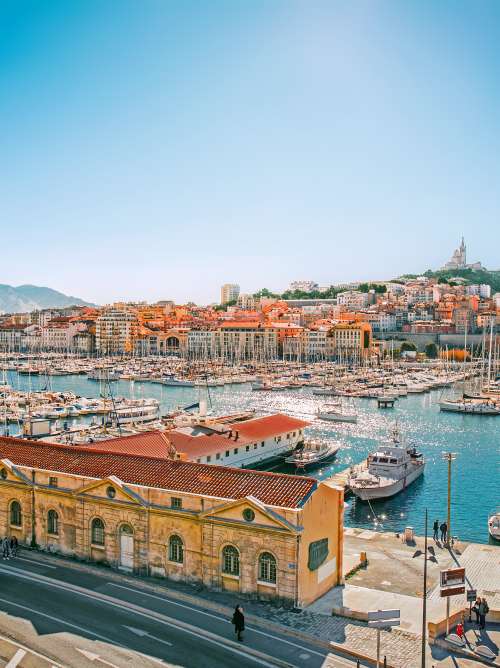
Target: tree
{"type": "Point", "coordinates": [442, 279]}
{"type": "Point", "coordinates": [407, 345]}
{"type": "Point", "coordinates": [431, 350]}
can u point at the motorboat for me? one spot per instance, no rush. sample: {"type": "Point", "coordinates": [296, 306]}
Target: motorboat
{"type": "Point", "coordinates": [494, 526]}
{"type": "Point", "coordinates": [173, 381]}
{"type": "Point", "coordinates": [469, 406]}
{"type": "Point", "coordinates": [336, 413]}
{"type": "Point", "coordinates": [388, 471]}
{"type": "Point", "coordinates": [312, 453]}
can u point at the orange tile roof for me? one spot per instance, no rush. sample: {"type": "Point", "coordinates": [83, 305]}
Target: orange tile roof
{"type": "Point", "coordinates": [274, 489]}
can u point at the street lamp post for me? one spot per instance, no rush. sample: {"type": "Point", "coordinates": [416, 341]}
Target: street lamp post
{"type": "Point", "coordinates": [424, 602]}
{"type": "Point", "coordinates": [449, 457]}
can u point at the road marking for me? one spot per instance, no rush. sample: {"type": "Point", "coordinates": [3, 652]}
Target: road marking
{"type": "Point", "coordinates": [60, 621]}
{"type": "Point", "coordinates": [95, 657]}
{"type": "Point", "coordinates": [144, 634]}
{"type": "Point", "coordinates": [36, 563]}
{"type": "Point", "coordinates": [32, 651]}
{"type": "Point", "coordinates": [220, 618]}
{"type": "Point", "coordinates": [20, 654]}
{"type": "Point", "coordinates": [160, 618]}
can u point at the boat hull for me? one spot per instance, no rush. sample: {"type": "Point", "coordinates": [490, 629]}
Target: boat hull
{"type": "Point", "coordinates": [386, 491]}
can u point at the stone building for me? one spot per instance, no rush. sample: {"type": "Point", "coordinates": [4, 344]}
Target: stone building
{"type": "Point", "coordinates": [256, 533]}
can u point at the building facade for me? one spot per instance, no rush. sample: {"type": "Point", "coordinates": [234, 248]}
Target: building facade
{"type": "Point", "coordinates": [229, 292]}
{"type": "Point", "coordinates": [270, 535]}
{"type": "Point", "coordinates": [116, 330]}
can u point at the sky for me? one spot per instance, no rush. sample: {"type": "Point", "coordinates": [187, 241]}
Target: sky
{"type": "Point", "coordinates": [155, 149]}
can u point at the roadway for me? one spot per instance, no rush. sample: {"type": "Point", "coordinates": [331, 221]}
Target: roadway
{"type": "Point", "coordinates": [103, 621]}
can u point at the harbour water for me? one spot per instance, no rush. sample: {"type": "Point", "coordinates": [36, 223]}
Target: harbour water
{"type": "Point", "coordinates": [474, 439]}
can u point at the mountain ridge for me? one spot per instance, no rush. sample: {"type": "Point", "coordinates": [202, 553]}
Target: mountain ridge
{"type": "Point", "coordinates": [28, 297]}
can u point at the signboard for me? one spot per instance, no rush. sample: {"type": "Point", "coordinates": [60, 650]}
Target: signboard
{"type": "Point", "coordinates": [382, 619]}
{"type": "Point", "coordinates": [452, 582]}
{"type": "Point", "coordinates": [471, 595]}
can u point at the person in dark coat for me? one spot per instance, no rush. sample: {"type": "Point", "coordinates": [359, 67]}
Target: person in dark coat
{"type": "Point", "coordinates": [444, 532]}
{"type": "Point", "coordinates": [239, 622]}
{"type": "Point", "coordinates": [13, 545]}
{"type": "Point", "coordinates": [483, 611]}
{"type": "Point", "coordinates": [435, 528]}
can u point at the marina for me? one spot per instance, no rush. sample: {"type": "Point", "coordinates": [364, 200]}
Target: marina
{"type": "Point", "coordinates": [473, 437]}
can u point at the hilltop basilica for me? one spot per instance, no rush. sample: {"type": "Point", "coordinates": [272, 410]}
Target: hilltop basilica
{"type": "Point", "coordinates": [459, 259]}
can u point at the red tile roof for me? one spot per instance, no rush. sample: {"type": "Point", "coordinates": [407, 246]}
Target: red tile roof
{"type": "Point", "coordinates": [274, 489]}
{"type": "Point", "coordinates": [249, 431]}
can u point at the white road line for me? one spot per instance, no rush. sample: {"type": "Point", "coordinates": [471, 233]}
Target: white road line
{"type": "Point", "coordinates": [95, 596]}
{"type": "Point", "coordinates": [145, 634]}
{"type": "Point", "coordinates": [60, 621]}
{"type": "Point", "coordinates": [20, 654]}
{"type": "Point", "coordinates": [220, 618]}
{"type": "Point", "coordinates": [31, 651]}
{"type": "Point", "coordinates": [36, 563]}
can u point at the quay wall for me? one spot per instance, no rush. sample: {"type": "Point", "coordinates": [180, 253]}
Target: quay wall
{"type": "Point", "coordinates": [423, 339]}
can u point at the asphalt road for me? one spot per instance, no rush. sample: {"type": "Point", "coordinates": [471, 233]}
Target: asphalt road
{"type": "Point", "coordinates": [60, 599]}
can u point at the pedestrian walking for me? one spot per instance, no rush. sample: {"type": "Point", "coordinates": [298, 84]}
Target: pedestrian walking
{"type": "Point", "coordinates": [444, 532]}
{"type": "Point", "coordinates": [13, 545]}
{"type": "Point", "coordinates": [435, 528]}
{"type": "Point", "coordinates": [239, 622]}
{"type": "Point", "coordinates": [475, 608]}
{"type": "Point", "coordinates": [483, 611]}
{"type": "Point", "coordinates": [5, 548]}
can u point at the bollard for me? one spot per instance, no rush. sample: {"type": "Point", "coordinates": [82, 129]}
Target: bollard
{"type": "Point", "coordinates": [358, 665]}
{"type": "Point", "coordinates": [385, 662]}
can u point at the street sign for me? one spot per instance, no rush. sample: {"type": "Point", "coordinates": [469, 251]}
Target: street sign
{"type": "Point", "coordinates": [383, 614]}
{"type": "Point", "coordinates": [382, 619]}
{"type": "Point", "coordinates": [452, 582]}
{"type": "Point", "coordinates": [471, 595]}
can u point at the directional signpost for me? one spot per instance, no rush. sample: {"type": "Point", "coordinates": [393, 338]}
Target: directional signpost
{"type": "Point", "coordinates": [471, 597]}
{"type": "Point", "coordinates": [382, 619]}
{"type": "Point", "coordinates": [452, 584]}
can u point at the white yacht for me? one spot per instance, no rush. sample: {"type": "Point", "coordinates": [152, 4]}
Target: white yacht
{"type": "Point", "coordinates": [136, 410]}
{"type": "Point", "coordinates": [494, 526]}
{"type": "Point", "coordinates": [172, 381]}
{"type": "Point", "coordinates": [312, 453]}
{"type": "Point", "coordinates": [469, 406]}
{"type": "Point", "coordinates": [336, 413]}
{"type": "Point", "coordinates": [388, 471]}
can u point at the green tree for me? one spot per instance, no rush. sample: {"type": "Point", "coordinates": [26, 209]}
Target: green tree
{"type": "Point", "coordinates": [407, 346]}
{"type": "Point", "coordinates": [431, 350]}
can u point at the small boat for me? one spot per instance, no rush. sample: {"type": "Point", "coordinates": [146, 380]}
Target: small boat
{"type": "Point", "coordinates": [494, 526]}
{"type": "Point", "coordinates": [336, 413]}
{"type": "Point", "coordinates": [312, 453]}
{"type": "Point", "coordinates": [172, 381]}
{"type": "Point", "coordinates": [469, 406]}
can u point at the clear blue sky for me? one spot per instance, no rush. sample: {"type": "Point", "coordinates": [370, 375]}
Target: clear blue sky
{"type": "Point", "coordinates": [158, 148]}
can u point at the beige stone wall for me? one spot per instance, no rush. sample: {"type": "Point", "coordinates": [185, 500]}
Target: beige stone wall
{"type": "Point", "coordinates": [205, 526]}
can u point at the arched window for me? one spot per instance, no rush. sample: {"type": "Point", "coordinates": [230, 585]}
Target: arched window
{"type": "Point", "coordinates": [176, 549]}
{"type": "Point", "coordinates": [16, 518]}
{"type": "Point", "coordinates": [97, 531]}
{"type": "Point", "coordinates": [267, 568]}
{"type": "Point", "coordinates": [230, 560]}
{"type": "Point", "coordinates": [53, 522]}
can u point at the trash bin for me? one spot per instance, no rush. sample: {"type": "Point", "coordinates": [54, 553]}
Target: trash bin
{"type": "Point", "coordinates": [409, 534]}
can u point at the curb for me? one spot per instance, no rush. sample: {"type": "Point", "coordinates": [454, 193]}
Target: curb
{"type": "Point", "coordinates": [462, 651]}
{"type": "Point", "coordinates": [356, 655]}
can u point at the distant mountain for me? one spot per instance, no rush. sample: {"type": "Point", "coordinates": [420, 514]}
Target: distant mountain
{"type": "Point", "coordinates": [32, 297]}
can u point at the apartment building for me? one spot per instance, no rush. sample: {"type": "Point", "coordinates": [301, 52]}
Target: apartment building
{"type": "Point", "coordinates": [116, 330]}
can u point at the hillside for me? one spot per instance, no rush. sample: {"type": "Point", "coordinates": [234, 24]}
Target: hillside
{"type": "Point", "coordinates": [32, 297]}
{"type": "Point", "coordinates": [472, 276]}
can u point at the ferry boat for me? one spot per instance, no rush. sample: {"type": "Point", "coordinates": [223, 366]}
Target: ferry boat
{"type": "Point", "coordinates": [312, 453]}
{"type": "Point", "coordinates": [389, 470]}
{"type": "Point", "coordinates": [494, 526]}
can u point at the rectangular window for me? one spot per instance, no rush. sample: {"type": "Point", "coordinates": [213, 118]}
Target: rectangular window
{"type": "Point", "coordinates": [247, 448]}
{"type": "Point", "coordinates": [209, 458]}
{"type": "Point", "coordinates": [262, 443]}
{"type": "Point", "coordinates": [255, 446]}
{"type": "Point", "coordinates": [227, 453]}
{"type": "Point", "coordinates": [236, 451]}
{"type": "Point", "coordinates": [53, 481]}
{"type": "Point", "coordinates": [217, 456]}
{"type": "Point", "coordinates": [176, 502]}
{"type": "Point", "coordinates": [318, 552]}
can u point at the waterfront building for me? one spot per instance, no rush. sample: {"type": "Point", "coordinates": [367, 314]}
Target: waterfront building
{"type": "Point", "coordinates": [116, 330]}
{"type": "Point", "coordinates": [351, 299]}
{"type": "Point", "coordinates": [229, 292]}
{"type": "Point", "coordinates": [249, 532]}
